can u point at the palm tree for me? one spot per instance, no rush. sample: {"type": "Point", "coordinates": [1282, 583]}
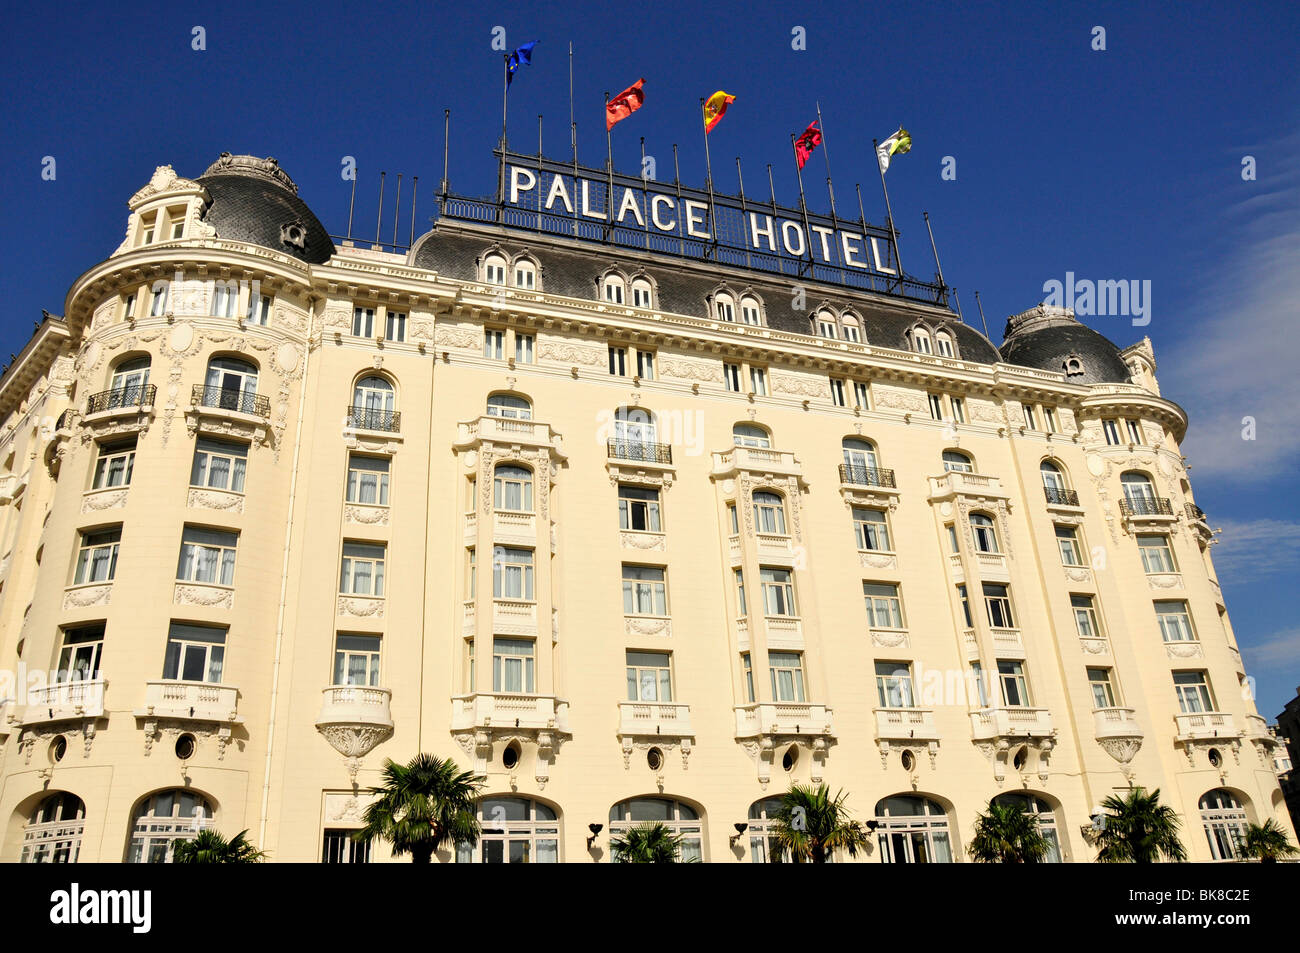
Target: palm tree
{"type": "Point", "coordinates": [209, 847]}
{"type": "Point", "coordinates": [810, 826]}
{"type": "Point", "coordinates": [1267, 843]}
{"type": "Point", "coordinates": [1139, 830]}
{"type": "Point", "coordinates": [421, 806]}
{"type": "Point", "coordinates": [1007, 834]}
{"type": "Point", "coordinates": [647, 844]}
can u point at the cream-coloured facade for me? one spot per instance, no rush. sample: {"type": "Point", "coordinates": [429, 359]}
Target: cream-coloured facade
{"type": "Point", "coordinates": [272, 512]}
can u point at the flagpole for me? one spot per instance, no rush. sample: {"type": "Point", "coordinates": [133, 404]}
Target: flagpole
{"type": "Point", "coordinates": [934, 248]}
{"type": "Point", "coordinates": [645, 204]}
{"type": "Point", "coordinates": [981, 307]}
{"type": "Point", "coordinates": [573, 127]}
{"type": "Point", "coordinates": [957, 298]}
{"type": "Point", "coordinates": [744, 211]}
{"type": "Point", "coordinates": [775, 215]}
{"type": "Point", "coordinates": [573, 133]}
{"type": "Point", "coordinates": [677, 182]}
{"type": "Point", "coordinates": [803, 207]}
{"type": "Point", "coordinates": [708, 178]}
{"type": "Point", "coordinates": [446, 141]}
{"type": "Point", "coordinates": [539, 172]}
{"type": "Point", "coordinates": [898, 258]}
{"type": "Point", "coordinates": [830, 188]}
{"type": "Point", "coordinates": [501, 166]}
{"type": "Point", "coordinates": [609, 165]}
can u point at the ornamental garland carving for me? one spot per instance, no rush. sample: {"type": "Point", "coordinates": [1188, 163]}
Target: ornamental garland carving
{"type": "Point", "coordinates": [361, 607]}
{"type": "Point", "coordinates": [637, 625]}
{"type": "Point", "coordinates": [216, 500]}
{"type": "Point", "coordinates": [783, 384]}
{"type": "Point", "coordinates": [648, 541]}
{"type": "Point", "coordinates": [452, 335]}
{"type": "Point", "coordinates": [878, 560]}
{"type": "Point", "coordinates": [200, 595]}
{"type": "Point", "coordinates": [709, 372]}
{"type": "Point", "coordinates": [893, 399]}
{"type": "Point", "coordinates": [567, 353]}
{"type": "Point", "coordinates": [889, 638]}
{"type": "Point", "coordinates": [1184, 650]}
{"type": "Point", "coordinates": [986, 412]}
{"type": "Point", "coordinates": [85, 596]}
{"type": "Point", "coordinates": [111, 500]}
{"type": "Point", "coordinates": [366, 515]}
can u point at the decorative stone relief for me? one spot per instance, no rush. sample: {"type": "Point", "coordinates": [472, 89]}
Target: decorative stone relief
{"type": "Point", "coordinates": [640, 625]}
{"type": "Point", "coordinates": [216, 500]}
{"type": "Point", "coordinates": [806, 387]}
{"type": "Point", "coordinates": [645, 541]}
{"type": "Point", "coordinates": [215, 597]}
{"type": "Point", "coordinates": [691, 370]}
{"type": "Point", "coordinates": [104, 500]}
{"type": "Point", "coordinates": [360, 607]}
{"type": "Point", "coordinates": [878, 560]}
{"type": "Point", "coordinates": [366, 515]}
{"type": "Point", "coordinates": [893, 399]}
{"type": "Point", "coordinates": [82, 597]}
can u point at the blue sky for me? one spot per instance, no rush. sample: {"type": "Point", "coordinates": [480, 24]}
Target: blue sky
{"type": "Point", "coordinates": [1123, 163]}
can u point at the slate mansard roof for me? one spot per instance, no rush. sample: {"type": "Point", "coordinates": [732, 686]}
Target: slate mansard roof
{"type": "Point", "coordinates": [254, 200]}
{"type": "Point", "coordinates": [1049, 338]}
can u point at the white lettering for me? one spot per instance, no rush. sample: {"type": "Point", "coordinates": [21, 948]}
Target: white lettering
{"type": "Point", "coordinates": [630, 204]}
{"type": "Point", "coordinates": [516, 175]}
{"type": "Point", "coordinates": [755, 231]}
{"type": "Point", "coordinates": [822, 232]}
{"type": "Point", "coordinates": [654, 213]}
{"type": "Point", "coordinates": [586, 203]}
{"type": "Point", "coordinates": [559, 191]}
{"type": "Point", "coordinates": [875, 254]}
{"type": "Point", "coordinates": [693, 211]}
{"type": "Point", "coordinates": [849, 251]}
{"type": "Point", "coordinates": [786, 228]}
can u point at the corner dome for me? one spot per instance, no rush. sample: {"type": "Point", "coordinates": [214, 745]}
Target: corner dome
{"type": "Point", "coordinates": [254, 200]}
{"type": "Point", "coordinates": [1052, 339]}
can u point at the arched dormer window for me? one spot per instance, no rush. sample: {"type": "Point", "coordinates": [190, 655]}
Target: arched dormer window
{"type": "Point", "coordinates": [642, 293]}
{"type": "Point", "coordinates": [751, 311]}
{"type": "Point", "coordinates": [724, 306]}
{"type": "Point", "coordinates": [509, 405]}
{"type": "Point", "coordinates": [613, 288]}
{"type": "Point", "coordinates": [1073, 367]}
{"type": "Point", "coordinates": [769, 512]}
{"type": "Point", "coordinates": [525, 274]}
{"type": "Point", "coordinates": [826, 324]}
{"type": "Point", "coordinates": [512, 488]}
{"type": "Point", "coordinates": [751, 435]}
{"type": "Point", "coordinates": [956, 461]}
{"type": "Point", "coordinates": [851, 325]}
{"type": "Point", "coordinates": [943, 344]}
{"type": "Point", "coordinates": [494, 269]}
{"type": "Point", "coordinates": [986, 537]}
{"type": "Point", "coordinates": [921, 341]}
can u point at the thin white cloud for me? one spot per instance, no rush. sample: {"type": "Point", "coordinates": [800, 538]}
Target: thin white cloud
{"type": "Point", "coordinates": [1280, 650]}
{"type": "Point", "coordinates": [1251, 548]}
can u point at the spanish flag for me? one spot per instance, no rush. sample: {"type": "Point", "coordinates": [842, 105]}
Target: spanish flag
{"type": "Point", "coordinates": [624, 104]}
{"type": "Point", "coordinates": [715, 107]}
{"type": "Point", "coordinates": [895, 145]}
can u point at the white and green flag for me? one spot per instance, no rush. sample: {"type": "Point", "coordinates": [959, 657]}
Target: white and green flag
{"type": "Point", "coordinates": [896, 144]}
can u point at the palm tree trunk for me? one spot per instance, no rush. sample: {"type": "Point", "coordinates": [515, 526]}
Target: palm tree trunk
{"type": "Point", "coordinates": [421, 855]}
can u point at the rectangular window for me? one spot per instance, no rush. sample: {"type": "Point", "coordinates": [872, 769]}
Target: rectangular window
{"type": "Point", "coordinates": [936, 406]}
{"type": "Point", "coordinates": [740, 592]}
{"type": "Point", "coordinates": [645, 590]}
{"type": "Point", "coordinates": [618, 361]}
{"type": "Point", "coordinates": [512, 574]}
{"type": "Point", "coordinates": [1085, 617]}
{"type": "Point", "coordinates": [731, 373]}
{"type": "Point", "coordinates": [128, 306]}
{"type": "Point", "coordinates": [1156, 554]}
{"type": "Point", "coordinates": [114, 465]}
{"type": "Point", "coordinates": [471, 573]}
{"type": "Point", "coordinates": [356, 659]}
{"type": "Point", "coordinates": [638, 509]}
{"type": "Point", "coordinates": [363, 322]}
{"type": "Point", "coordinates": [861, 395]}
{"type": "Point", "coordinates": [837, 392]}
{"type": "Point", "coordinates": [977, 675]}
{"type": "Point", "coordinates": [952, 538]}
{"type": "Point", "coordinates": [826, 329]}
{"type": "Point", "coordinates": [259, 310]}
{"type": "Point", "coordinates": [649, 677]}
{"type": "Point", "coordinates": [1031, 420]}
{"type": "Point", "coordinates": [207, 555]}
{"type": "Point", "coordinates": [884, 608]}
{"type": "Point", "coordinates": [1049, 419]}
{"type": "Point", "coordinates": [787, 676]}
{"type": "Point", "coordinates": [747, 666]}
{"type": "Point", "coordinates": [645, 365]}
{"type": "Point", "coordinates": [1111, 429]}
{"type": "Point", "coordinates": [958, 409]}
{"type": "Point", "coordinates": [778, 591]}
{"type": "Point", "coordinates": [224, 296]}
{"type": "Point", "coordinates": [1193, 692]}
{"type": "Point", "coordinates": [758, 381]}
{"type": "Point", "coordinates": [1015, 688]}
{"type": "Point", "coordinates": [524, 348]}
{"type": "Point", "coordinates": [894, 685]}
{"type": "Point", "coordinates": [494, 345]}
{"type": "Point", "coordinates": [1134, 432]}
{"type": "Point", "coordinates": [469, 668]}
{"type": "Point", "coordinates": [640, 294]}
{"type": "Point", "coordinates": [363, 570]}
{"type": "Point", "coordinates": [79, 655]}
{"type": "Point", "coordinates": [1175, 622]}
{"type": "Point", "coordinates": [158, 303]}
{"type": "Point", "coordinates": [965, 607]}
{"type": "Point", "coordinates": [851, 333]}
{"type": "Point", "coordinates": [395, 326]}
{"type": "Point", "coordinates": [219, 465]}
{"type": "Point", "coordinates": [871, 529]}
{"type": "Point", "coordinates": [998, 602]}
{"type": "Point", "coordinates": [195, 653]}
{"type": "Point", "coordinates": [97, 558]}
{"type": "Point", "coordinates": [733, 519]}
{"type": "Point", "coordinates": [513, 665]}
{"type": "Point", "coordinates": [1103, 690]}
{"type": "Point", "coordinates": [340, 848]}
{"type": "Point", "coordinates": [367, 479]}
{"type": "Point", "coordinates": [749, 313]}
{"type": "Point", "coordinates": [1067, 541]}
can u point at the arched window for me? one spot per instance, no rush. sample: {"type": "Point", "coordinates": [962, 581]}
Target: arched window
{"type": "Point", "coordinates": [826, 323]}
{"type": "Point", "coordinates": [750, 435]}
{"type": "Point", "coordinates": [955, 460]}
{"type": "Point", "coordinates": [525, 274]}
{"type": "Point", "coordinates": [1138, 491]}
{"type": "Point", "coordinates": [724, 307]}
{"type": "Point", "coordinates": [1073, 367]}
{"type": "Point", "coordinates": [642, 293]}
{"type": "Point", "coordinates": [921, 341]}
{"type": "Point", "coordinates": [680, 819]}
{"type": "Point", "coordinates": [860, 458]}
{"type": "Point", "coordinates": [514, 830]}
{"type": "Point", "coordinates": [1033, 804]}
{"type": "Point", "coordinates": [943, 344]}
{"type": "Point", "coordinates": [1224, 820]}
{"type": "Point", "coordinates": [509, 405]}
{"type": "Point", "coordinates": [512, 488]}
{"type": "Point", "coordinates": [986, 538]}
{"type": "Point", "coordinates": [614, 288]}
{"type": "Point", "coordinates": [130, 378]}
{"type": "Point", "coordinates": [633, 425]}
{"type": "Point", "coordinates": [762, 815]}
{"type": "Point", "coordinates": [912, 830]}
{"type": "Point", "coordinates": [164, 818]}
{"type": "Point", "coordinates": [53, 834]}
{"type": "Point", "coordinates": [750, 310]}
{"type": "Point", "coordinates": [494, 270]}
{"type": "Point", "coordinates": [372, 404]}
{"type": "Point", "coordinates": [231, 384]}
{"type": "Point", "coordinates": [769, 512]}
{"type": "Point", "coordinates": [850, 324]}
{"type": "Point", "coordinates": [1053, 478]}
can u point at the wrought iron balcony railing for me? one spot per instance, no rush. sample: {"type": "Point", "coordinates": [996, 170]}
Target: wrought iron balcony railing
{"type": "Point", "coordinates": [1060, 496]}
{"type": "Point", "coordinates": [227, 398]}
{"type": "Point", "coordinates": [640, 452]}
{"type": "Point", "coordinates": [133, 395]}
{"type": "Point", "coordinates": [1146, 506]}
{"type": "Point", "coordinates": [372, 418]}
{"type": "Point", "coordinates": [1194, 512]}
{"type": "Point", "coordinates": [867, 476]}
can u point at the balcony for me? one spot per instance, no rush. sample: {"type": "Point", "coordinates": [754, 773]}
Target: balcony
{"type": "Point", "coordinates": [636, 451]}
{"type": "Point", "coordinates": [512, 527]}
{"type": "Point", "coordinates": [783, 718]}
{"type": "Point", "coordinates": [905, 724]}
{"type": "Point", "coordinates": [1206, 725]}
{"type": "Point", "coordinates": [960, 483]}
{"type": "Point", "coordinates": [190, 701]}
{"type": "Point", "coordinates": [1194, 513]}
{"type": "Point", "coordinates": [784, 631]}
{"type": "Point", "coordinates": [227, 398]}
{"type": "Point", "coordinates": [358, 417]}
{"type": "Point", "coordinates": [1115, 723]}
{"type": "Point", "coordinates": [514, 617]}
{"type": "Point", "coordinates": [65, 701]}
{"type": "Point", "coordinates": [867, 476]}
{"type": "Point", "coordinates": [1145, 506]}
{"type": "Point", "coordinates": [133, 398]}
{"type": "Point", "coordinates": [1059, 496]}
{"type": "Point", "coordinates": [758, 460]}
{"type": "Point", "coordinates": [356, 705]}
{"type": "Point", "coordinates": [491, 428]}
{"type": "Point", "coordinates": [1008, 642]}
{"type": "Point", "coordinates": [654, 719]}
{"type": "Point", "coordinates": [508, 710]}
{"type": "Point", "coordinates": [1011, 723]}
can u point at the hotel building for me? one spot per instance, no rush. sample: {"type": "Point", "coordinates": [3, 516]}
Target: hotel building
{"type": "Point", "coordinates": [638, 533]}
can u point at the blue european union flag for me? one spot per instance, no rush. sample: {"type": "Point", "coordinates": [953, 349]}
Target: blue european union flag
{"type": "Point", "coordinates": [522, 55]}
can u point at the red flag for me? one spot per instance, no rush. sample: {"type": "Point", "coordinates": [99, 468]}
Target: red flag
{"type": "Point", "coordinates": [805, 144]}
{"type": "Point", "coordinates": [624, 104]}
